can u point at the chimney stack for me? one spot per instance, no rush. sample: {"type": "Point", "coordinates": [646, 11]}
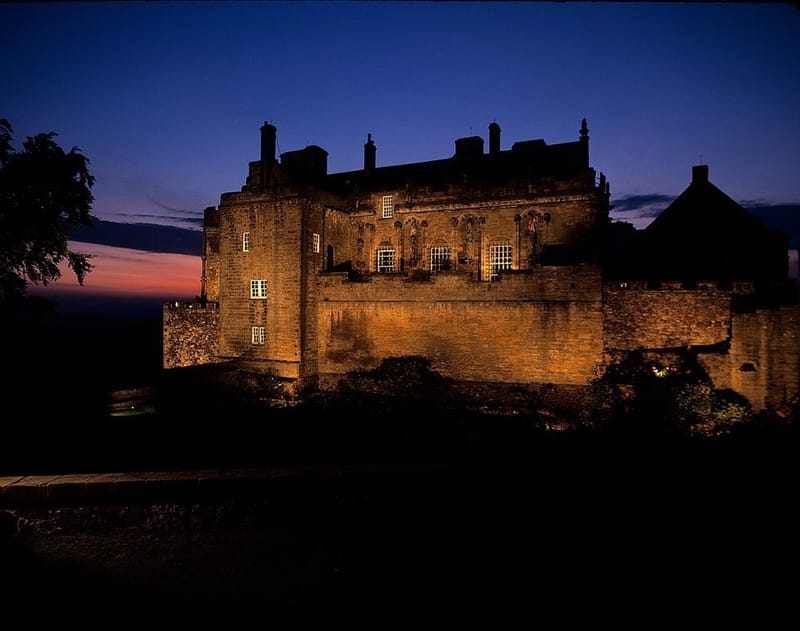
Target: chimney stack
{"type": "Point", "coordinates": [469, 147]}
{"type": "Point", "coordinates": [700, 173]}
{"type": "Point", "coordinates": [369, 154]}
{"type": "Point", "coordinates": [268, 135]}
{"type": "Point", "coordinates": [494, 138]}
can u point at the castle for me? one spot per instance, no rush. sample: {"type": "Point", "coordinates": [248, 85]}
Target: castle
{"type": "Point", "coordinates": [500, 266]}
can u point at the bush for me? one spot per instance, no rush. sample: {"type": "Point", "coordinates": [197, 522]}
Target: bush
{"type": "Point", "coordinates": [409, 376]}
{"type": "Point", "coordinates": [666, 395]}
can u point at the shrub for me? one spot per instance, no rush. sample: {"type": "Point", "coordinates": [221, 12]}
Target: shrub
{"type": "Point", "coordinates": [666, 396]}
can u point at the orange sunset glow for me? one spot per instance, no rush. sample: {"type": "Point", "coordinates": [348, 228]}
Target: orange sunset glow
{"type": "Point", "coordinates": [127, 272]}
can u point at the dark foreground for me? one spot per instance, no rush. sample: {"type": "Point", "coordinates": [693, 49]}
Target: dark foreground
{"type": "Point", "coordinates": [447, 518]}
{"type": "Point", "coordinates": [565, 538]}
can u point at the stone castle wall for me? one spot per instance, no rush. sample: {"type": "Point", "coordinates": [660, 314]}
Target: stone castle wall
{"type": "Point", "coordinates": [274, 256]}
{"type": "Point", "coordinates": [639, 318]}
{"type": "Point", "coordinates": [543, 326]}
{"type": "Point", "coordinates": [764, 357]}
{"type": "Point", "coordinates": [552, 325]}
{"type": "Point", "coordinates": [757, 352]}
{"type": "Point", "coordinates": [211, 263]}
{"type": "Point", "coordinates": [190, 334]}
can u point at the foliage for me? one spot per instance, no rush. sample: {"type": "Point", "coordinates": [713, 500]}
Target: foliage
{"type": "Point", "coordinates": [218, 391]}
{"type": "Point", "coordinates": [261, 386]}
{"type": "Point", "coordinates": [408, 376]}
{"type": "Point", "coordinates": [395, 383]}
{"type": "Point", "coordinates": [45, 193]}
{"type": "Point", "coordinates": [677, 397]}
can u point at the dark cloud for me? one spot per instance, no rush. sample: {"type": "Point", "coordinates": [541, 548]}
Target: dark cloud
{"type": "Point", "coordinates": [142, 236]}
{"type": "Point", "coordinates": [85, 304]}
{"type": "Point", "coordinates": [642, 205]}
{"type": "Point", "coordinates": [170, 208]}
{"type": "Point", "coordinates": [195, 222]}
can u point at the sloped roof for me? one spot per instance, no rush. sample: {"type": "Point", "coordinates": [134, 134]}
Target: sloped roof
{"type": "Point", "coordinates": [703, 235]}
{"type": "Point", "coordinates": [705, 211]}
{"type": "Point", "coordinates": [529, 159]}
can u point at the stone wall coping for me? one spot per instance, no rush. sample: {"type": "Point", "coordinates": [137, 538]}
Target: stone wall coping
{"type": "Point", "coordinates": [156, 486]}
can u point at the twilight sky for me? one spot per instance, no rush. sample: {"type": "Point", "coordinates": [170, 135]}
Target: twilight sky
{"type": "Point", "coordinates": [166, 98]}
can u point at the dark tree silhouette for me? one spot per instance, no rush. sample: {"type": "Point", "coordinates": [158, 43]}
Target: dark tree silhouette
{"type": "Point", "coordinates": [45, 192]}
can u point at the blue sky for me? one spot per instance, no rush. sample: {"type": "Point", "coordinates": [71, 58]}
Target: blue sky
{"type": "Point", "coordinates": [166, 98]}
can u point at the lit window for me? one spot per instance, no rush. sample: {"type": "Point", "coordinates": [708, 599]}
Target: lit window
{"type": "Point", "coordinates": [499, 259]}
{"type": "Point", "coordinates": [440, 259]}
{"type": "Point", "coordinates": [257, 335]}
{"type": "Point", "coordinates": [388, 207]}
{"type": "Point", "coordinates": [258, 289]}
{"type": "Point", "coordinates": [316, 243]}
{"type": "Point", "coordinates": [385, 260]}
{"type": "Point", "coordinates": [245, 242]}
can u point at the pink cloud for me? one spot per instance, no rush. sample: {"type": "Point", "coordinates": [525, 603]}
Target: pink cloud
{"type": "Point", "coordinates": [126, 272]}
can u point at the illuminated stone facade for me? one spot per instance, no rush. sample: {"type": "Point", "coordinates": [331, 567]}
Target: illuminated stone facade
{"type": "Point", "coordinates": [488, 263]}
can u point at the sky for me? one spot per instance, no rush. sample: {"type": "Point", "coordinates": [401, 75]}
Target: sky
{"type": "Point", "coordinates": [166, 99]}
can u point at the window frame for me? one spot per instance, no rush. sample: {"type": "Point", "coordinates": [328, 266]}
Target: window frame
{"type": "Point", "coordinates": [315, 243]}
{"type": "Point", "coordinates": [257, 335]}
{"type": "Point", "coordinates": [246, 241]}
{"type": "Point", "coordinates": [438, 255]}
{"type": "Point", "coordinates": [381, 255]}
{"type": "Point", "coordinates": [502, 252]}
{"type": "Point", "coordinates": [258, 289]}
{"type": "Point", "coordinates": [387, 206]}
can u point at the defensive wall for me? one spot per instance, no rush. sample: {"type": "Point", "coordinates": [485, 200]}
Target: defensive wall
{"type": "Point", "coordinates": [541, 326]}
{"type": "Point", "coordinates": [190, 334]}
{"type": "Point", "coordinates": [552, 325]}
{"type": "Point", "coordinates": [753, 353]}
{"type": "Point", "coordinates": [764, 363]}
{"type": "Point", "coordinates": [636, 316]}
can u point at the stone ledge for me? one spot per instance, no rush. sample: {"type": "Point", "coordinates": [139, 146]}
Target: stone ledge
{"type": "Point", "coordinates": [147, 487]}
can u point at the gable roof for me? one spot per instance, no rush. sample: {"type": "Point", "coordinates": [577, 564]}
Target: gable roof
{"type": "Point", "coordinates": [705, 212]}
{"type": "Point", "coordinates": [704, 235]}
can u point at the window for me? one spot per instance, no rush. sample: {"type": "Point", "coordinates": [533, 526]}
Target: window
{"type": "Point", "coordinates": [257, 335]}
{"type": "Point", "coordinates": [499, 259]}
{"type": "Point", "coordinates": [440, 259]}
{"type": "Point", "coordinates": [316, 243]}
{"type": "Point", "coordinates": [245, 242]}
{"type": "Point", "coordinates": [385, 260]}
{"type": "Point", "coordinates": [258, 289]}
{"type": "Point", "coordinates": [388, 207]}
